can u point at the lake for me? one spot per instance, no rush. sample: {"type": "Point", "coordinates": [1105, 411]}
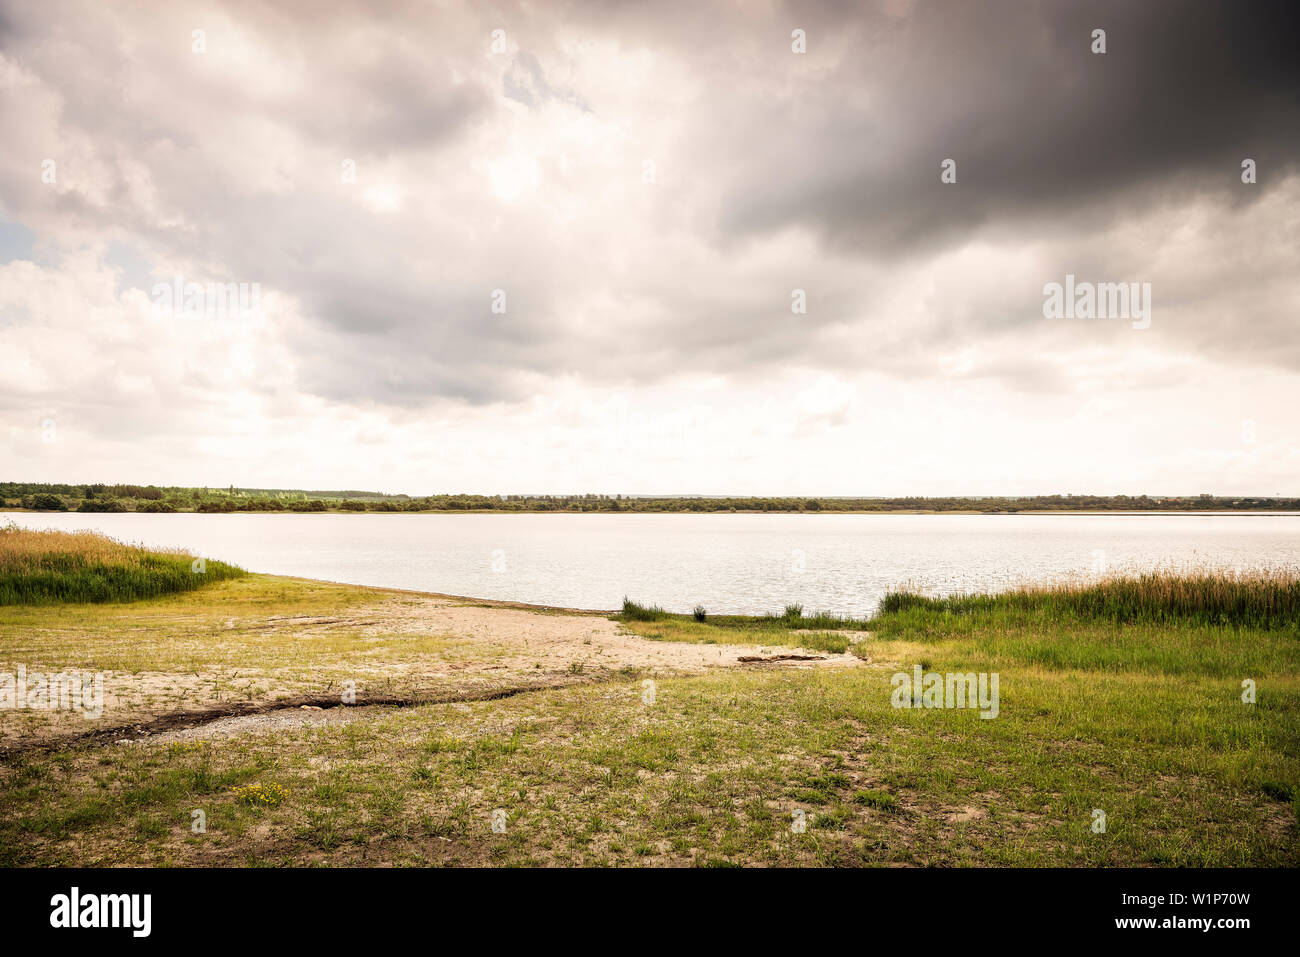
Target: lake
{"type": "Point", "coordinates": [738, 563]}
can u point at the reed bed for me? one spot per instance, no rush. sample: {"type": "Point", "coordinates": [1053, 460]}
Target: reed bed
{"type": "Point", "coordinates": [47, 567]}
{"type": "Point", "coordinates": [1258, 598]}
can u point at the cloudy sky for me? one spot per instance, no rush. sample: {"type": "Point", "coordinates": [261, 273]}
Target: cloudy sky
{"type": "Point", "coordinates": [555, 247]}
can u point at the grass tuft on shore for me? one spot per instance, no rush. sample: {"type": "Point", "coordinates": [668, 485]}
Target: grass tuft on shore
{"type": "Point", "coordinates": [634, 611]}
{"type": "Point", "coordinates": [50, 567]}
{"type": "Point", "coordinates": [820, 631]}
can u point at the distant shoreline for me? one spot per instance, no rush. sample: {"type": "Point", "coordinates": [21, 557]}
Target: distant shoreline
{"type": "Point", "coordinates": [100, 497]}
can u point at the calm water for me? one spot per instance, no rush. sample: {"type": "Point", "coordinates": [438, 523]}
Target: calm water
{"type": "Point", "coordinates": [728, 563]}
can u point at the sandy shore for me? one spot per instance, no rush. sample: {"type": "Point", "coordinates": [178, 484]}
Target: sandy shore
{"type": "Point", "coordinates": [374, 646]}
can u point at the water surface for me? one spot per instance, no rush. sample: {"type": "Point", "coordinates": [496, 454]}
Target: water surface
{"type": "Point", "coordinates": [740, 563]}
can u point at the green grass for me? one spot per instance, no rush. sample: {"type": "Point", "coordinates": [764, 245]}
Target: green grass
{"type": "Point", "coordinates": [50, 567]}
{"type": "Point", "coordinates": [1257, 599]}
{"type": "Point", "coordinates": [817, 632]}
{"type": "Point", "coordinates": [633, 611]}
{"type": "Point", "coordinates": [877, 799]}
{"type": "Point", "coordinates": [710, 774]}
{"type": "Point", "coordinates": [1220, 627]}
{"type": "Point", "coordinates": [1143, 719]}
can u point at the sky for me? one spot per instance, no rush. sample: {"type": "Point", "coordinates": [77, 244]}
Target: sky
{"type": "Point", "coordinates": [675, 248]}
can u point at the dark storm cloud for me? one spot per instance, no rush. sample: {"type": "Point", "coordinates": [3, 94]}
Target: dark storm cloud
{"type": "Point", "coordinates": [1041, 128]}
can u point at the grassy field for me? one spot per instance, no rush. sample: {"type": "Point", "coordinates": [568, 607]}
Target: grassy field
{"type": "Point", "coordinates": [586, 757]}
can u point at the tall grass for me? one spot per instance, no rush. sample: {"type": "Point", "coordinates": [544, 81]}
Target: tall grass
{"type": "Point", "coordinates": [635, 611]}
{"type": "Point", "coordinates": [47, 567]}
{"type": "Point", "coordinates": [1262, 598]}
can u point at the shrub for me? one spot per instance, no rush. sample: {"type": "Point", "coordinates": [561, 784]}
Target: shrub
{"type": "Point", "coordinates": [45, 502]}
{"type": "Point", "coordinates": [102, 505]}
{"type": "Point", "coordinates": [153, 506]}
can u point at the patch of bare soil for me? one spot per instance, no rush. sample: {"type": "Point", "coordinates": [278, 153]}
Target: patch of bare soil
{"type": "Point", "coordinates": [558, 640]}
{"type": "Point", "coordinates": [487, 650]}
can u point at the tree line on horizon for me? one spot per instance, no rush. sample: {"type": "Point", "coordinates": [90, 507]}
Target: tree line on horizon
{"type": "Point", "coordinates": [43, 496]}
